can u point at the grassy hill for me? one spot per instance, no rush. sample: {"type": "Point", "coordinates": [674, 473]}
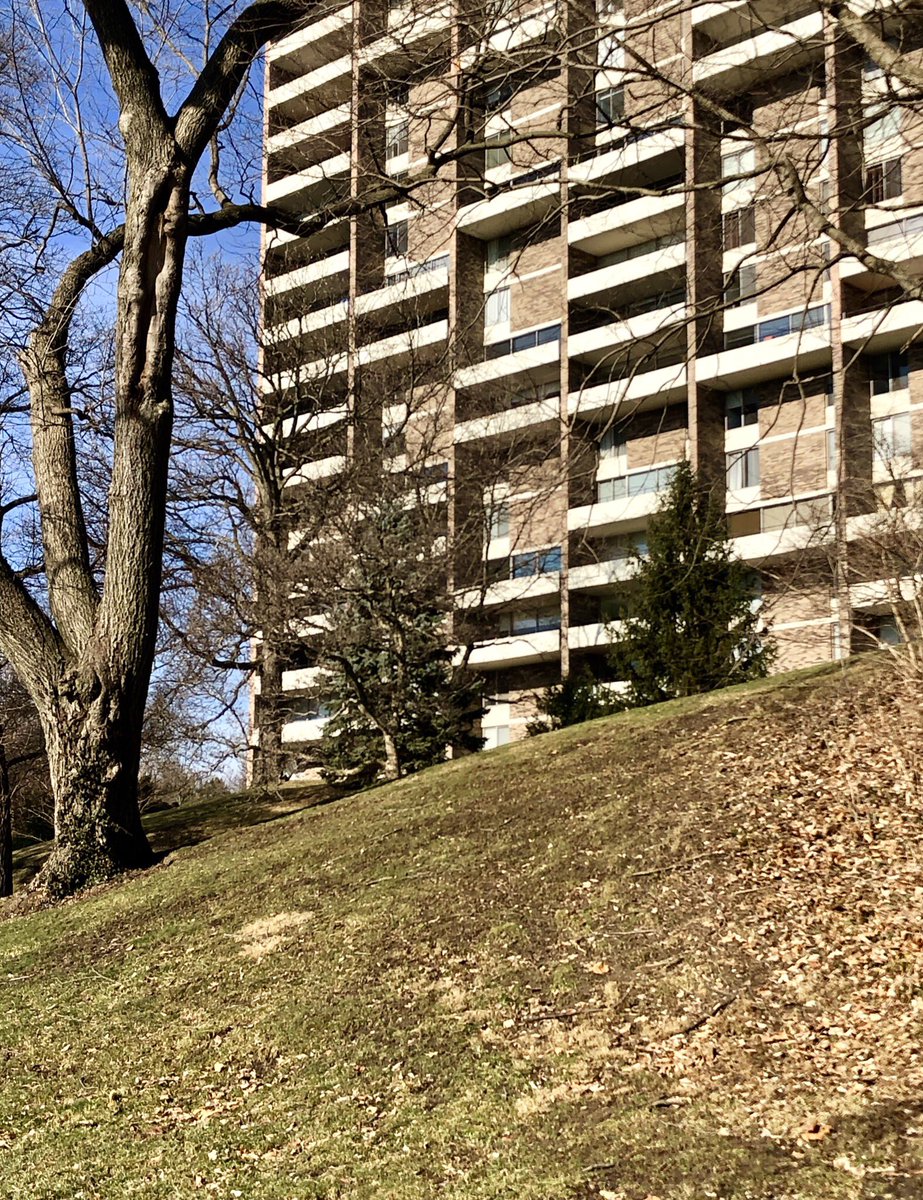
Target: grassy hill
{"type": "Point", "coordinates": [676, 953]}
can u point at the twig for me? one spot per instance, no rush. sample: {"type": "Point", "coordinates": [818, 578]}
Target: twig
{"type": "Point", "coordinates": [564, 1015]}
{"type": "Point", "coordinates": [674, 866]}
{"type": "Point", "coordinates": [683, 863]}
{"type": "Point", "coordinates": [703, 1020]}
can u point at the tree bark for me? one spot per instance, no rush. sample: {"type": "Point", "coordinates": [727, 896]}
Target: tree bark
{"type": "Point", "coordinates": [6, 824]}
{"type": "Point", "coordinates": [392, 767]}
{"type": "Point", "coordinates": [94, 752]}
{"type": "Point", "coordinates": [267, 760]}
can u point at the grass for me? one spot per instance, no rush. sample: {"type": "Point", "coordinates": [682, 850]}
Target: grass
{"type": "Point", "coordinates": [417, 991]}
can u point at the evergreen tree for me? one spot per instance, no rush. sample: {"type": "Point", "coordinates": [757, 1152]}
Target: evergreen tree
{"type": "Point", "coordinates": [396, 698]}
{"type": "Point", "coordinates": [690, 625]}
{"type": "Point", "coordinates": [577, 698]}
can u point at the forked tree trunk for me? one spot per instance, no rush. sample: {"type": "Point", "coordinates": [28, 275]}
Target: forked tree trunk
{"type": "Point", "coordinates": [94, 750]}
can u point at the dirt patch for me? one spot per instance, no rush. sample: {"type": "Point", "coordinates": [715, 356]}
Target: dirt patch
{"type": "Point", "coordinates": [257, 939]}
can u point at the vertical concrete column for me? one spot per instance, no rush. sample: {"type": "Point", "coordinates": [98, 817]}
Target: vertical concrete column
{"type": "Point", "coordinates": [704, 285]}
{"type": "Point", "coordinates": [851, 396]}
{"type": "Point", "coordinates": [366, 235]}
{"type": "Point", "coordinates": [466, 306]}
{"type": "Point", "coordinates": [578, 123]}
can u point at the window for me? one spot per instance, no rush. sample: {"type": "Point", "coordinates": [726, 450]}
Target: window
{"type": "Point", "coordinates": [740, 284]}
{"type": "Point", "coordinates": [495, 736]}
{"type": "Point", "coordinates": [744, 336]}
{"type": "Point", "coordinates": [831, 450]}
{"type": "Point", "coordinates": [741, 408]}
{"type": "Point", "coordinates": [536, 562]}
{"type": "Point", "coordinates": [612, 444]}
{"type": "Point", "coordinates": [550, 390]}
{"type": "Point", "coordinates": [500, 521]}
{"type": "Point", "coordinates": [639, 249]}
{"type": "Point", "coordinates": [639, 483]}
{"type": "Point", "coordinates": [396, 239]}
{"type": "Point", "coordinates": [811, 318]}
{"type": "Point", "coordinates": [888, 631]}
{"type": "Point", "coordinates": [889, 372]}
{"type": "Point", "coordinates": [610, 51]}
{"type": "Point", "coordinates": [891, 438]}
{"type": "Point", "coordinates": [497, 254]}
{"type": "Point", "coordinates": [397, 139]}
{"type": "Point", "coordinates": [884, 128]}
{"type": "Point", "coordinates": [737, 166]}
{"type": "Point", "coordinates": [496, 155]}
{"type": "Point", "coordinates": [744, 524]}
{"type": "Point", "coordinates": [497, 310]}
{"type": "Point", "coordinates": [738, 228]}
{"type": "Point", "coordinates": [610, 106]}
{"type": "Point", "coordinates": [497, 98]}
{"type": "Point", "coordinates": [524, 341]}
{"type": "Point", "coordinates": [883, 181]}
{"type": "Point", "coordinates": [743, 469]}
{"type": "Point", "coordinates": [529, 622]}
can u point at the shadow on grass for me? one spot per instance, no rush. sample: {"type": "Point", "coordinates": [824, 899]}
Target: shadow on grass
{"type": "Point", "coordinates": [173, 829]}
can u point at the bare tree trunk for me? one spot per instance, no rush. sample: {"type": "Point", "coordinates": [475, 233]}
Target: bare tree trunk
{"type": "Point", "coordinates": [392, 767]}
{"type": "Point", "coordinates": [267, 761]}
{"type": "Point", "coordinates": [94, 750]}
{"type": "Point", "coordinates": [6, 825]}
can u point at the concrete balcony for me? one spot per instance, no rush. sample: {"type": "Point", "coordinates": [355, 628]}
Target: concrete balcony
{"type": "Point", "coordinates": [757, 547]}
{"type": "Point", "coordinates": [405, 289]}
{"type": "Point", "coordinates": [524, 29]}
{"type": "Point", "coordinates": [312, 273]}
{"type": "Point", "coordinates": [303, 679]}
{"type": "Point", "coordinates": [642, 391]}
{"type": "Point", "coordinates": [596, 345]}
{"type": "Point", "coordinates": [327, 86]}
{"type": "Point", "coordinates": [320, 468]}
{"type": "Point", "coordinates": [642, 267]}
{"type": "Point", "coordinates": [413, 30]}
{"type": "Point", "coordinates": [884, 328]}
{"type": "Point", "coordinates": [510, 591]}
{"type": "Point", "coordinates": [517, 650]}
{"type": "Point", "coordinates": [598, 577]}
{"type": "Point", "coordinates": [636, 157]}
{"type": "Point", "coordinates": [308, 729]}
{"type": "Point", "coordinates": [316, 128]}
{"type": "Point", "coordinates": [310, 186]}
{"type": "Point", "coordinates": [403, 346]}
{"type": "Point", "coordinates": [746, 365]}
{"type": "Point", "coordinates": [627, 224]}
{"type": "Point", "coordinates": [400, 347]}
{"type": "Point", "coordinates": [541, 414]}
{"type": "Point", "coordinates": [630, 512]}
{"type": "Point", "coordinates": [595, 636]}
{"type": "Point", "coordinates": [306, 422]}
{"type": "Point", "coordinates": [509, 209]}
{"type": "Point", "coordinates": [310, 47]}
{"type": "Point", "coordinates": [510, 364]}
{"type": "Point", "coordinates": [785, 48]}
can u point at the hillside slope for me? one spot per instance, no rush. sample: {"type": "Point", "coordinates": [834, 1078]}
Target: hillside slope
{"type": "Point", "coordinates": [674, 954]}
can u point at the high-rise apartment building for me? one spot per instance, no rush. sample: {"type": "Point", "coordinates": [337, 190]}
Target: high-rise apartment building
{"type": "Point", "coordinates": [562, 248]}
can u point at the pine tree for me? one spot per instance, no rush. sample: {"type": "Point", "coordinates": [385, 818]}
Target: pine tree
{"type": "Point", "coordinates": [690, 625]}
{"type": "Point", "coordinates": [577, 698]}
{"type": "Point", "coordinates": [396, 698]}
